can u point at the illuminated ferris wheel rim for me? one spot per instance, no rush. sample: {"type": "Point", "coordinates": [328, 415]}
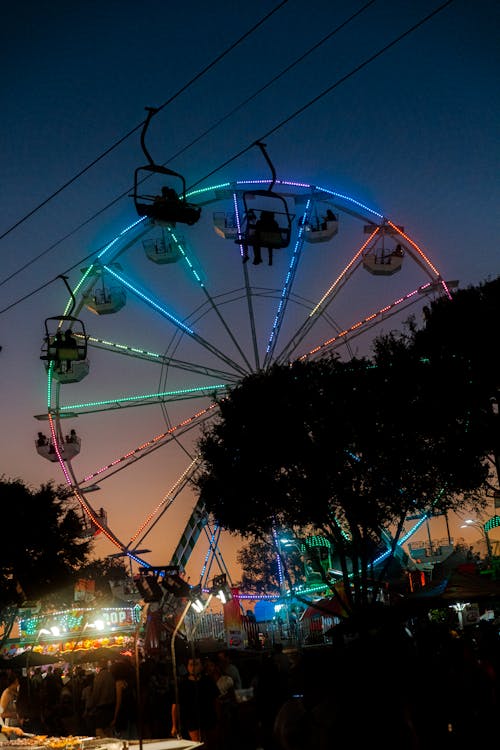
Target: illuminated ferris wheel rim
{"type": "Point", "coordinates": [302, 192]}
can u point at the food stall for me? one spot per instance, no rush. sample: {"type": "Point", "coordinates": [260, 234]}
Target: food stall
{"type": "Point", "coordinates": [14, 737]}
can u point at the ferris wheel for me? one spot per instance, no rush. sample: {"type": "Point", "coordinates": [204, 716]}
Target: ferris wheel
{"type": "Point", "coordinates": [179, 307]}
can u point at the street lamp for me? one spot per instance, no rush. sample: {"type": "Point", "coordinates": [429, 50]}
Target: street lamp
{"type": "Point", "coordinates": [470, 523]}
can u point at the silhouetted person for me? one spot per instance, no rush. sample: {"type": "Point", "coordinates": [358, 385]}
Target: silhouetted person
{"type": "Point", "coordinates": [329, 216]}
{"type": "Point", "coordinates": [265, 225]}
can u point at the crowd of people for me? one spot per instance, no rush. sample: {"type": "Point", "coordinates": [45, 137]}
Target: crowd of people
{"type": "Point", "coordinates": [428, 687]}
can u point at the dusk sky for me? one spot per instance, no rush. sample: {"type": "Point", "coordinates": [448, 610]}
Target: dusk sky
{"type": "Point", "coordinates": [409, 130]}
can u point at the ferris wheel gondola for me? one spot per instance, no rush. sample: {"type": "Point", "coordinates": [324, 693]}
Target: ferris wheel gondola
{"type": "Point", "coordinates": [169, 206]}
{"type": "Point", "coordinates": [267, 221]}
{"type": "Point", "coordinates": [65, 352]}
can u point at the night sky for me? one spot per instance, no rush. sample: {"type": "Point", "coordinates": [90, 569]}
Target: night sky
{"type": "Point", "coordinates": [413, 134]}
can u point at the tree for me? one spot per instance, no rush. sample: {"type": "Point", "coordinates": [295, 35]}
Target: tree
{"type": "Point", "coordinates": [41, 546]}
{"type": "Point", "coordinates": [348, 449]}
{"type": "Point", "coordinates": [259, 562]}
{"type": "Point", "coordinates": [461, 336]}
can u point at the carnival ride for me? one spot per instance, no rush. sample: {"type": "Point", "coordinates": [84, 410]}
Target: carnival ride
{"type": "Point", "coordinates": [177, 312]}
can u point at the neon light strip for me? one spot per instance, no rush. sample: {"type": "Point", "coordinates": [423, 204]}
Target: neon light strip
{"type": "Point", "coordinates": [278, 558]}
{"type": "Point", "coordinates": [422, 255]}
{"type": "Point", "coordinates": [124, 347]}
{"type": "Point", "coordinates": [164, 500]}
{"type": "Point", "coordinates": [103, 251]}
{"type": "Point", "coordinates": [208, 189]}
{"type": "Point", "coordinates": [360, 323]}
{"type": "Point", "coordinates": [185, 257]}
{"type": "Point", "coordinates": [343, 273]}
{"type": "Point", "coordinates": [144, 397]}
{"type": "Point", "coordinates": [151, 442]}
{"type": "Point", "coordinates": [288, 281]}
{"type": "Point", "coordinates": [67, 476]}
{"type": "Point", "coordinates": [238, 223]}
{"type": "Point", "coordinates": [293, 183]}
{"type": "Point", "coordinates": [348, 199]}
{"type": "Point", "coordinates": [150, 301]}
{"type": "Point", "coordinates": [211, 547]}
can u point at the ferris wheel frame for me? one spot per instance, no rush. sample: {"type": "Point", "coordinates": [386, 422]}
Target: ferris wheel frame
{"type": "Point", "coordinates": [234, 196]}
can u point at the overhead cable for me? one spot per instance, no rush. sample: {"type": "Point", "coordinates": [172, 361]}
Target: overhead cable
{"type": "Point", "coordinates": [270, 132]}
{"type": "Point", "coordinates": [137, 127]}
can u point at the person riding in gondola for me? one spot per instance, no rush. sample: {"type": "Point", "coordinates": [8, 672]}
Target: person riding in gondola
{"type": "Point", "coordinates": [168, 195]}
{"type": "Point", "coordinates": [265, 225]}
{"type": "Point", "coordinates": [329, 216]}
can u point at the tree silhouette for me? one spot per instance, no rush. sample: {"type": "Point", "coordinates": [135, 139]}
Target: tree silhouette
{"type": "Point", "coordinates": [349, 450]}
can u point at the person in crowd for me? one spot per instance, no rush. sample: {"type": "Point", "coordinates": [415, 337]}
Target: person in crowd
{"type": "Point", "coordinates": [103, 700]}
{"type": "Point", "coordinates": [226, 705]}
{"type": "Point", "coordinates": [51, 693]}
{"type": "Point", "coordinates": [124, 723]}
{"type": "Point", "coordinates": [87, 722]}
{"type": "Point", "coordinates": [195, 716]}
{"type": "Point", "coordinates": [8, 702]}
{"type": "Point", "coordinates": [230, 669]}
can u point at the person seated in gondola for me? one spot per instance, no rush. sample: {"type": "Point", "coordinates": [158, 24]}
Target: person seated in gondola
{"type": "Point", "coordinates": [265, 225]}
{"type": "Point", "coordinates": [251, 221]}
{"type": "Point", "coordinates": [42, 439]}
{"type": "Point", "coordinates": [69, 340]}
{"type": "Point", "coordinates": [329, 216]}
{"type": "Point", "coordinates": [70, 347]}
{"type": "Point", "coordinates": [168, 195]}
{"type": "Point", "coordinates": [398, 251]}
{"type": "Point", "coordinates": [165, 205]}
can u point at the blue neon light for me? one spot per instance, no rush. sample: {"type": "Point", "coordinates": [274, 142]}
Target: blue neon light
{"type": "Point", "coordinates": [150, 301]}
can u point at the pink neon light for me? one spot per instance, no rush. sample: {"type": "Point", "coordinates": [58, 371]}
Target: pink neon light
{"type": "Point", "coordinates": [360, 323]}
{"type": "Point", "coordinates": [151, 442]}
{"type": "Point", "coordinates": [422, 255]}
{"type": "Point", "coordinates": [343, 273]}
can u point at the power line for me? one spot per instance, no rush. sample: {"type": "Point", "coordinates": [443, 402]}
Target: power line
{"type": "Point", "coordinates": [198, 138]}
{"type": "Point", "coordinates": [262, 137]}
{"type": "Point", "coordinates": [327, 90]}
{"type": "Point", "coordinates": [137, 127]}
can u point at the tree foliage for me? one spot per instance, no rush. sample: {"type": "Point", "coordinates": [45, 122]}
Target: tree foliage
{"type": "Point", "coordinates": [42, 547]}
{"type": "Point", "coordinates": [259, 562]}
{"type": "Point", "coordinates": [352, 448]}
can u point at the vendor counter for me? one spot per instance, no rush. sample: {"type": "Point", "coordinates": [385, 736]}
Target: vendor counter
{"type": "Point", "coordinates": [41, 742]}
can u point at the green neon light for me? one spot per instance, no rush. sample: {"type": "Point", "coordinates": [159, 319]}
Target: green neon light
{"type": "Point", "coordinates": [125, 347]}
{"type": "Point", "coordinates": [492, 523]}
{"type": "Point", "coordinates": [208, 189]}
{"type": "Point", "coordinates": [143, 397]}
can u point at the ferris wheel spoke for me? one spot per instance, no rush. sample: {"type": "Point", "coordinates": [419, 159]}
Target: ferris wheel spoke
{"type": "Point", "coordinates": [251, 318]}
{"type": "Point", "coordinates": [361, 326]}
{"type": "Point", "coordinates": [162, 359]}
{"type": "Point", "coordinates": [183, 250]}
{"type": "Point", "coordinates": [141, 451]}
{"type": "Point", "coordinates": [319, 309]}
{"type": "Point", "coordinates": [183, 394]}
{"type": "Point", "coordinates": [177, 322]}
{"type": "Point", "coordinates": [286, 291]}
{"type": "Point", "coordinates": [165, 503]}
